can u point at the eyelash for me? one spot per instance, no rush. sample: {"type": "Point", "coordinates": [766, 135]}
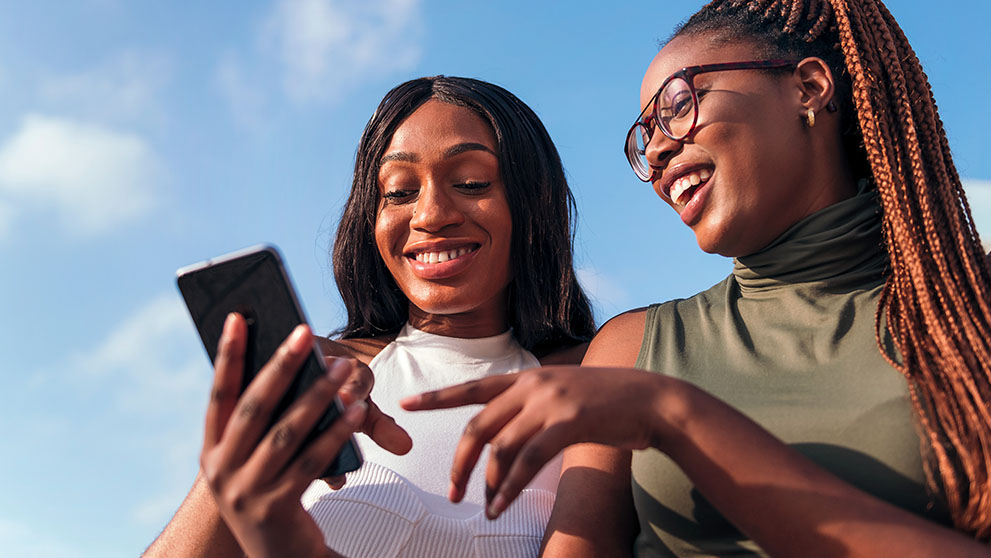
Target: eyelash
{"type": "Point", "coordinates": [400, 196]}
{"type": "Point", "coordinates": [473, 185]}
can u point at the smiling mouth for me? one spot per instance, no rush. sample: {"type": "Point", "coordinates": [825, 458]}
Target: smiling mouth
{"type": "Point", "coordinates": [441, 256]}
{"type": "Point", "coordinates": [685, 187]}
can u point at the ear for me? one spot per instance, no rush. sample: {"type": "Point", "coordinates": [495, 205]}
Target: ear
{"type": "Point", "coordinates": [816, 85]}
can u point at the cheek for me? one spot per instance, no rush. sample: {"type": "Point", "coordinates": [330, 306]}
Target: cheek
{"type": "Point", "coordinates": [390, 234]}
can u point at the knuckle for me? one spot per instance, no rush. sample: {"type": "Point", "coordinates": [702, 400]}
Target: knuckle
{"type": "Point", "coordinates": [250, 408]}
{"type": "Point", "coordinates": [473, 388]}
{"type": "Point", "coordinates": [532, 457]}
{"type": "Point", "coordinates": [235, 499]}
{"type": "Point", "coordinates": [500, 453]}
{"type": "Point", "coordinates": [221, 394]}
{"type": "Point", "coordinates": [473, 429]}
{"type": "Point", "coordinates": [283, 436]}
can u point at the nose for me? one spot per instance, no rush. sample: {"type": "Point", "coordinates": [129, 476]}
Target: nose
{"type": "Point", "coordinates": [660, 149]}
{"type": "Point", "coordinates": [435, 209]}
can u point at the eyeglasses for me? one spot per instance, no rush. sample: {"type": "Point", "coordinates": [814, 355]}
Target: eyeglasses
{"type": "Point", "coordinates": [676, 109]}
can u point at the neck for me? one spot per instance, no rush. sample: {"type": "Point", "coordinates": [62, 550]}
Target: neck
{"type": "Point", "coordinates": [485, 321]}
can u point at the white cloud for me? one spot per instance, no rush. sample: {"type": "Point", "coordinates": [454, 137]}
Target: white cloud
{"type": "Point", "coordinates": [326, 45]}
{"type": "Point", "coordinates": [125, 87]}
{"type": "Point", "coordinates": [979, 198]}
{"type": "Point", "coordinates": [95, 177]}
{"type": "Point", "coordinates": [153, 359]}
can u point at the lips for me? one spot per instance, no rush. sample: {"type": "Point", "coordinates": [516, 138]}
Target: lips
{"type": "Point", "coordinates": [440, 260]}
{"type": "Point", "coordinates": [441, 256]}
{"type": "Point", "coordinates": [681, 182]}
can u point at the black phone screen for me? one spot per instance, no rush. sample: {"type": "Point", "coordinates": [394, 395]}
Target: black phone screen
{"type": "Point", "coordinates": [254, 283]}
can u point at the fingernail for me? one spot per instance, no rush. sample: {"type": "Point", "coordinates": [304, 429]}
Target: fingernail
{"type": "Point", "coordinates": [452, 493]}
{"type": "Point", "coordinates": [298, 333]}
{"type": "Point", "coordinates": [495, 508]}
{"type": "Point", "coordinates": [339, 370]}
{"type": "Point", "coordinates": [229, 323]}
{"type": "Point", "coordinates": [356, 412]}
{"type": "Point", "coordinates": [410, 401]}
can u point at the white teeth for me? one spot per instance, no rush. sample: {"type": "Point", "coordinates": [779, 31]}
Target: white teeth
{"type": "Point", "coordinates": [440, 257]}
{"type": "Point", "coordinates": [683, 184]}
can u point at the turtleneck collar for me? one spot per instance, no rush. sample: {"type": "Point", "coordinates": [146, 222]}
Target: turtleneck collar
{"type": "Point", "coordinates": [838, 247]}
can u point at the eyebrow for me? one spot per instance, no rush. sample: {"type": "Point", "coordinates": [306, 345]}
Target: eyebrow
{"type": "Point", "coordinates": [458, 149]}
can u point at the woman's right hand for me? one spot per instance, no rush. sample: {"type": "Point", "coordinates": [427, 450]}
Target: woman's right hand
{"type": "Point", "coordinates": [257, 476]}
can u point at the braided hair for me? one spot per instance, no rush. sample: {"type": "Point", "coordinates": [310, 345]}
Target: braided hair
{"type": "Point", "coordinates": [936, 302]}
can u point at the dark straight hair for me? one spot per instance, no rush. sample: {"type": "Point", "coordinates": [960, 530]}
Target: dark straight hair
{"type": "Point", "coordinates": [547, 308]}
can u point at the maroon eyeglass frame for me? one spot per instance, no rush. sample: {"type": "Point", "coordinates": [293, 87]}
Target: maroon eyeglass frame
{"type": "Point", "coordinates": [688, 73]}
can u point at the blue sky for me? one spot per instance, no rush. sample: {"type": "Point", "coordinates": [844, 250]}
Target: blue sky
{"type": "Point", "coordinates": [137, 137]}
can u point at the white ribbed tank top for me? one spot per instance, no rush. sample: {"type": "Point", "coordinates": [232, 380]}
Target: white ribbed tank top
{"type": "Point", "coordinates": [396, 506]}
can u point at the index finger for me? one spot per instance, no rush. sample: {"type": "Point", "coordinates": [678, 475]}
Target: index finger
{"type": "Point", "coordinates": [226, 379]}
{"type": "Point", "coordinates": [468, 393]}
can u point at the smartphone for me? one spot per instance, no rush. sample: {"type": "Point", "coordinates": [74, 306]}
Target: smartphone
{"type": "Point", "coordinates": [254, 283]}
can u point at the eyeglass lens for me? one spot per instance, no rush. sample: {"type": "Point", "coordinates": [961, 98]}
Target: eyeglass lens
{"type": "Point", "coordinates": [675, 109]}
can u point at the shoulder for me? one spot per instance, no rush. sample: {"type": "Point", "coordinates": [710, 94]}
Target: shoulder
{"type": "Point", "coordinates": [361, 349]}
{"type": "Point", "coordinates": [618, 341]}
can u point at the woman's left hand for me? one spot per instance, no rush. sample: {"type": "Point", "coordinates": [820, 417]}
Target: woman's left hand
{"type": "Point", "coordinates": [531, 416]}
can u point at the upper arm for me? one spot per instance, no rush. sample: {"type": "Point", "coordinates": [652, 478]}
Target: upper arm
{"type": "Point", "coordinates": [593, 515]}
{"type": "Point", "coordinates": [618, 341]}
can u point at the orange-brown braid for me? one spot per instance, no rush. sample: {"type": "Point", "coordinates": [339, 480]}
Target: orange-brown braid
{"type": "Point", "coordinates": [936, 303]}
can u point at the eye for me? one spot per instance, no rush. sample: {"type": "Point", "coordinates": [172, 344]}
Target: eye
{"type": "Point", "coordinates": [472, 186]}
{"type": "Point", "coordinates": [681, 105]}
{"type": "Point", "coordinates": [399, 196]}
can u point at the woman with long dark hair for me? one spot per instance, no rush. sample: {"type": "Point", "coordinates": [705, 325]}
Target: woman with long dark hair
{"type": "Point", "coordinates": [454, 261]}
{"type": "Point", "coordinates": [832, 396]}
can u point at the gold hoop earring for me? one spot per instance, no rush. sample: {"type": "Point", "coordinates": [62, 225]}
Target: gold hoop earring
{"type": "Point", "coordinates": [810, 118]}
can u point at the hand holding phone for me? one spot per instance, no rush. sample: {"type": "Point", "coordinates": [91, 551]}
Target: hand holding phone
{"type": "Point", "coordinates": [255, 284]}
{"type": "Point", "coordinates": [256, 476]}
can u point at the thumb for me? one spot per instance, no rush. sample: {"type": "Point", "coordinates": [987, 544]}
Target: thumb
{"type": "Point", "coordinates": [384, 431]}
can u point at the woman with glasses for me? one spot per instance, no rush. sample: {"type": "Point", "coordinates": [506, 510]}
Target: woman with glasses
{"type": "Point", "coordinates": [453, 258]}
{"type": "Point", "coordinates": [832, 396]}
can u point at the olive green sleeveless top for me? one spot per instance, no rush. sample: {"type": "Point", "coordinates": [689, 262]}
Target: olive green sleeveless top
{"type": "Point", "coordinates": [788, 339]}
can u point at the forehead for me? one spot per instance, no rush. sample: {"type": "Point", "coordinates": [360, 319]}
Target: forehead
{"type": "Point", "coordinates": [691, 50]}
{"type": "Point", "coordinates": [437, 125]}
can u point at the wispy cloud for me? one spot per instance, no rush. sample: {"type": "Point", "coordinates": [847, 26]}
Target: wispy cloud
{"type": "Point", "coordinates": [94, 177]}
{"type": "Point", "coordinates": [6, 219]}
{"type": "Point", "coordinates": [246, 99]}
{"type": "Point", "coordinates": [153, 360]}
{"type": "Point", "coordinates": [20, 539]}
{"type": "Point", "coordinates": [979, 198]}
{"type": "Point", "coordinates": [124, 88]}
{"type": "Point", "coordinates": [325, 46]}
{"type": "Point", "coordinates": [151, 366]}
{"type": "Point", "coordinates": [608, 297]}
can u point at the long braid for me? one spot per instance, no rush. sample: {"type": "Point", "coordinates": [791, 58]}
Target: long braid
{"type": "Point", "coordinates": [936, 302]}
